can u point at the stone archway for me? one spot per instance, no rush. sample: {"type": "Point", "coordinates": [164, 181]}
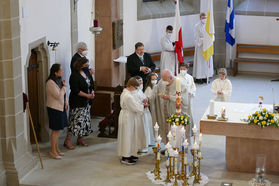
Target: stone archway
{"type": "Point", "coordinates": [41, 51]}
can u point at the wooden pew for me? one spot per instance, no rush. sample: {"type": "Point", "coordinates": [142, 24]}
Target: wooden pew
{"type": "Point", "coordinates": [255, 49]}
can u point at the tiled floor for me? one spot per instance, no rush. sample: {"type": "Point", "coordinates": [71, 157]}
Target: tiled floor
{"type": "Point", "coordinates": [98, 164]}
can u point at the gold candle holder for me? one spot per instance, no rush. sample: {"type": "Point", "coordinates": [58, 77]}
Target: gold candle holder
{"type": "Point", "coordinates": [194, 167]}
{"type": "Point", "coordinates": [199, 173]}
{"type": "Point", "coordinates": [157, 164]}
{"type": "Point", "coordinates": [185, 178]}
{"type": "Point", "coordinates": [168, 175]}
{"type": "Point", "coordinates": [181, 176]}
{"type": "Point", "coordinates": [175, 180]}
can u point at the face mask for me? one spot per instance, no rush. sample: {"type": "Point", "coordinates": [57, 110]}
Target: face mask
{"type": "Point", "coordinates": [183, 72]}
{"type": "Point", "coordinates": [203, 21]}
{"type": "Point", "coordinates": [84, 53]}
{"type": "Point", "coordinates": [85, 69]}
{"type": "Point", "coordinates": [141, 87]}
{"type": "Point", "coordinates": [165, 83]}
{"type": "Point", "coordinates": [168, 35]}
{"type": "Point", "coordinates": [154, 82]}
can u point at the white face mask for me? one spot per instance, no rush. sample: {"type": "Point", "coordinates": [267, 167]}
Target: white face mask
{"type": "Point", "coordinates": [165, 83]}
{"type": "Point", "coordinates": [183, 72]}
{"type": "Point", "coordinates": [203, 21]}
{"type": "Point", "coordinates": [134, 91]}
{"type": "Point", "coordinates": [154, 82]}
{"type": "Point", "coordinates": [169, 35]}
{"type": "Point", "coordinates": [141, 87]}
{"type": "Point", "coordinates": [84, 53]}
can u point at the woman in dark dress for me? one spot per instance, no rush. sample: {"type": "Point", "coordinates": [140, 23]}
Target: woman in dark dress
{"type": "Point", "coordinates": [57, 105]}
{"type": "Point", "coordinates": [82, 93]}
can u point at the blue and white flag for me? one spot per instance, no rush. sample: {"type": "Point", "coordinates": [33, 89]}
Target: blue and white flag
{"type": "Point", "coordinates": [230, 23]}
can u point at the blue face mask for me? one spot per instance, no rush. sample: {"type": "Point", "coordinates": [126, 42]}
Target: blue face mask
{"type": "Point", "coordinates": [85, 69]}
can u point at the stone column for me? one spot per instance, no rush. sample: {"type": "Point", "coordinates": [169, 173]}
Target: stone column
{"type": "Point", "coordinates": [74, 25]}
{"type": "Point", "coordinates": [15, 158]}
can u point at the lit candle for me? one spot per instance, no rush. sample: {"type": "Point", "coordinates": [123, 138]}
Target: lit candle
{"type": "Point", "coordinates": [178, 85]}
{"type": "Point", "coordinates": [159, 139]}
{"type": "Point", "coordinates": [168, 146]}
{"type": "Point", "coordinates": [169, 136]}
{"type": "Point", "coordinates": [185, 144]}
{"type": "Point", "coordinates": [200, 140]}
{"type": "Point", "coordinates": [158, 155]}
{"type": "Point", "coordinates": [199, 154]}
{"type": "Point", "coordinates": [185, 158]}
{"type": "Point", "coordinates": [156, 128]}
{"type": "Point", "coordinates": [195, 129]}
{"type": "Point", "coordinates": [175, 165]}
{"type": "Point", "coordinates": [195, 146]}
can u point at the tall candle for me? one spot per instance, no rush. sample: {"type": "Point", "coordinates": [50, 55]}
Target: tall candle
{"type": "Point", "coordinates": [156, 128]}
{"type": "Point", "coordinates": [195, 146]}
{"type": "Point", "coordinates": [211, 108]}
{"type": "Point", "coordinates": [178, 85]}
{"type": "Point", "coordinates": [159, 139]}
{"type": "Point", "coordinates": [169, 136]}
{"type": "Point", "coordinates": [185, 158]}
{"type": "Point", "coordinates": [185, 144]}
{"type": "Point", "coordinates": [195, 129]}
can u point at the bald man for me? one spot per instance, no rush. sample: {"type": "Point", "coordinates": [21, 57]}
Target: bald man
{"type": "Point", "coordinates": [166, 101]}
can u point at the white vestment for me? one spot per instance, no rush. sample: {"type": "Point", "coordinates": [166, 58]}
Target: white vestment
{"type": "Point", "coordinates": [225, 86]}
{"type": "Point", "coordinates": [130, 130]}
{"type": "Point", "coordinates": [150, 93]}
{"type": "Point", "coordinates": [201, 68]}
{"type": "Point", "coordinates": [170, 105]}
{"type": "Point", "coordinates": [191, 88]}
{"type": "Point", "coordinates": [168, 56]}
{"type": "Point", "coordinates": [147, 120]}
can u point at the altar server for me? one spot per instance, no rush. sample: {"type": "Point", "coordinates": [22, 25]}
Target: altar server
{"type": "Point", "coordinates": [222, 87]}
{"type": "Point", "coordinates": [190, 86]}
{"type": "Point", "coordinates": [130, 129]}
{"type": "Point", "coordinates": [201, 68]}
{"type": "Point", "coordinates": [147, 119]}
{"type": "Point", "coordinates": [167, 56]}
{"type": "Point", "coordinates": [149, 92]}
{"type": "Point", "coordinates": [166, 106]}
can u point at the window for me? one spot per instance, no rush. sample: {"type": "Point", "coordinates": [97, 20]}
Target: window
{"type": "Point", "coordinates": [257, 7]}
{"type": "Point", "coordinates": [151, 9]}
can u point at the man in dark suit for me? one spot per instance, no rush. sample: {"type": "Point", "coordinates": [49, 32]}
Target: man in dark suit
{"type": "Point", "coordinates": [140, 63]}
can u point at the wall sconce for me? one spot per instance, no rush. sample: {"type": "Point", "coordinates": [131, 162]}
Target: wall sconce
{"type": "Point", "coordinates": [53, 45]}
{"type": "Point", "coordinates": [96, 29]}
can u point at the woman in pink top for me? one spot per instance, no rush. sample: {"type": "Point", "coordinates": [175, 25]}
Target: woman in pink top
{"type": "Point", "coordinates": [56, 106]}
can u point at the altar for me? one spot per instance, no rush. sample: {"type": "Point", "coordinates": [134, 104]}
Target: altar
{"type": "Point", "coordinates": [243, 141]}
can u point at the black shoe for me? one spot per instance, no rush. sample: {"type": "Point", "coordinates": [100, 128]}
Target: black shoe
{"type": "Point", "coordinates": [128, 161]}
{"type": "Point", "coordinates": [134, 158]}
{"type": "Point", "coordinates": [199, 81]}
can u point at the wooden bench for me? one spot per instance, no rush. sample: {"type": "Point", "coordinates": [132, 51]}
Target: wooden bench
{"type": "Point", "coordinates": [255, 49]}
{"type": "Point", "coordinates": [156, 56]}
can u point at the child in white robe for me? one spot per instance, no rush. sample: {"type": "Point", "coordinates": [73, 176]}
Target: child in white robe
{"type": "Point", "coordinates": [130, 130]}
{"type": "Point", "coordinates": [150, 93]}
{"type": "Point", "coordinates": [147, 119]}
{"type": "Point", "coordinates": [190, 86]}
{"type": "Point", "coordinates": [222, 87]}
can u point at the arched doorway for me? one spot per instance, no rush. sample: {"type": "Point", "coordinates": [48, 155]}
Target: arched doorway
{"type": "Point", "coordinates": [33, 91]}
{"type": "Point", "coordinates": [36, 75]}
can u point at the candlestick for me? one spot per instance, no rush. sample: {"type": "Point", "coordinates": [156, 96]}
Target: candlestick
{"type": "Point", "coordinates": [156, 128]}
{"type": "Point", "coordinates": [195, 129]}
{"type": "Point", "coordinates": [185, 144]}
{"type": "Point", "coordinates": [195, 146]}
{"type": "Point", "coordinates": [169, 136]}
{"type": "Point", "coordinates": [211, 108]}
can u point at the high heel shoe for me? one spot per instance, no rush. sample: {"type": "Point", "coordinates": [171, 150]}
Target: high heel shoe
{"type": "Point", "coordinates": [68, 143]}
{"type": "Point", "coordinates": [54, 156]}
{"type": "Point", "coordinates": [80, 141]}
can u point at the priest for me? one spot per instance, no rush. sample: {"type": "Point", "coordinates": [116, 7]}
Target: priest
{"type": "Point", "coordinates": [166, 101]}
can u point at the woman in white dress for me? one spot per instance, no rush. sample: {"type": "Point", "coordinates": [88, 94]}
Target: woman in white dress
{"type": "Point", "coordinates": [222, 87]}
{"type": "Point", "coordinates": [130, 123]}
{"type": "Point", "coordinates": [147, 119]}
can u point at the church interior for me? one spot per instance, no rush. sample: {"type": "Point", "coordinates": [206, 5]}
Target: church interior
{"type": "Point", "coordinates": [35, 34]}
